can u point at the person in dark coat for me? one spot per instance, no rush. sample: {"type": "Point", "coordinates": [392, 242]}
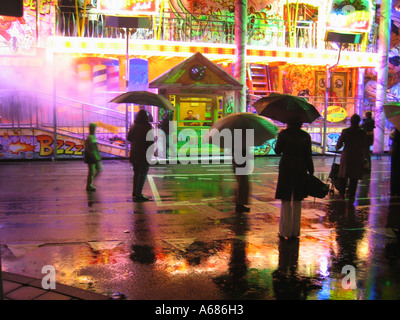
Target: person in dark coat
{"type": "Point", "coordinates": [139, 151]}
{"type": "Point", "coordinates": [395, 164]}
{"type": "Point", "coordinates": [242, 192]}
{"type": "Point", "coordinates": [369, 125]}
{"type": "Point", "coordinates": [92, 157]}
{"type": "Point", "coordinates": [296, 161]}
{"type": "Point", "coordinates": [354, 140]}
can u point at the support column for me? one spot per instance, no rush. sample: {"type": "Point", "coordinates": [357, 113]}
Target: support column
{"type": "Point", "coordinates": [382, 77]}
{"type": "Point", "coordinates": [240, 52]}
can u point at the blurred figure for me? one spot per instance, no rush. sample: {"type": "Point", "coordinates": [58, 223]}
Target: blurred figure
{"type": "Point", "coordinates": [92, 157]}
{"type": "Point", "coordinates": [243, 186]}
{"type": "Point", "coordinates": [164, 126]}
{"type": "Point", "coordinates": [395, 163]}
{"type": "Point", "coordinates": [139, 149]}
{"type": "Point", "coordinates": [295, 146]}
{"type": "Point", "coordinates": [354, 140]}
{"type": "Point", "coordinates": [369, 125]}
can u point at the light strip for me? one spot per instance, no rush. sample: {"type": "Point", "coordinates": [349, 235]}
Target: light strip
{"type": "Point", "coordinates": [113, 46]}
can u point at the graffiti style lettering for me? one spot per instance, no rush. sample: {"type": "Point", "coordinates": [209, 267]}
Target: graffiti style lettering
{"type": "Point", "coordinates": [44, 5]}
{"type": "Point", "coordinates": [60, 143]}
{"type": "Point", "coordinates": [45, 142]}
{"type": "Point", "coordinates": [46, 148]}
{"type": "Point", "coordinates": [70, 145]}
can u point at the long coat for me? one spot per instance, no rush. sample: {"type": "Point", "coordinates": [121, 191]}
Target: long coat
{"type": "Point", "coordinates": [139, 145]}
{"type": "Point", "coordinates": [295, 146]}
{"type": "Point", "coordinates": [354, 140]}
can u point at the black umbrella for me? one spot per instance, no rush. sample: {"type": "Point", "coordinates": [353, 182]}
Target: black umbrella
{"type": "Point", "coordinates": [144, 98]}
{"type": "Point", "coordinates": [286, 108]}
{"type": "Point", "coordinates": [263, 128]}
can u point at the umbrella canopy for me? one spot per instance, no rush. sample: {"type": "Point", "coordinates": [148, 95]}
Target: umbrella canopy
{"type": "Point", "coordinates": [285, 108]}
{"type": "Point", "coordinates": [392, 112]}
{"type": "Point", "coordinates": [144, 98]}
{"type": "Point", "coordinates": [263, 128]}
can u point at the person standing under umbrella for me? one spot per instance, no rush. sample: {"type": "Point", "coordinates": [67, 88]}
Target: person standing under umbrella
{"type": "Point", "coordinates": [295, 146]}
{"type": "Point", "coordinates": [139, 149]}
{"type": "Point", "coordinates": [354, 140]}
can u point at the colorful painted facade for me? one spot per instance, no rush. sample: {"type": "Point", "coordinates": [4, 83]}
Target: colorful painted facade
{"type": "Point", "coordinates": [66, 49]}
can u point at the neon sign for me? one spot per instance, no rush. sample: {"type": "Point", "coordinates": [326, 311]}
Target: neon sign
{"type": "Point", "coordinates": [128, 7]}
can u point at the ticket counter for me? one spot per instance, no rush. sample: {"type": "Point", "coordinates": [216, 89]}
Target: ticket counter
{"type": "Point", "coordinates": [201, 93]}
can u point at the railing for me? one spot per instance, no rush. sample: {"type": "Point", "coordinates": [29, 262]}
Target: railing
{"type": "Point", "coordinates": [185, 27]}
{"type": "Point", "coordinates": [19, 110]}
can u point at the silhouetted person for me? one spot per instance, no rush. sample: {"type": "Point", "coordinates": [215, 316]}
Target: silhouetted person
{"type": "Point", "coordinates": [354, 140]}
{"type": "Point", "coordinates": [295, 146]}
{"type": "Point", "coordinates": [395, 163]}
{"type": "Point", "coordinates": [369, 125]}
{"type": "Point", "coordinates": [92, 157]}
{"type": "Point", "coordinates": [139, 151]}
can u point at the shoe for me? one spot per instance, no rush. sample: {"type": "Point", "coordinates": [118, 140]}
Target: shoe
{"type": "Point", "coordinates": [141, 198]}
{"type": "Point", "coordinates": [282, 237]}
{"type": "Point", "coordinates": [241, 208]}
{"type": "Point", "coordinates": [90, 188]}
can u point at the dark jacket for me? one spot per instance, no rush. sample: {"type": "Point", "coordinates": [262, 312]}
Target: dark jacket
{"type": "Point", "coordinates": [139, 145]}
{"type": "Point", "coordinates": [354, 140]}
{"type": "Point", "coordinates": [295, 146]}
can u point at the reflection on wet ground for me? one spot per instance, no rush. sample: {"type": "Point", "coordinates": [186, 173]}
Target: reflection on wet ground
{"type": "Point", "coordinates": [188, 243]}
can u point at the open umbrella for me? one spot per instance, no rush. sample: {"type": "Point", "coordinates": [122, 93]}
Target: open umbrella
{"type": "Point", "coordinates": [144, 98]}
{"type": "Point", "coordinates": [285, 108]}
{"type": "Point", "coordinates": [263, 128]}
{"type": "Point", "coordinates": [392, 112]}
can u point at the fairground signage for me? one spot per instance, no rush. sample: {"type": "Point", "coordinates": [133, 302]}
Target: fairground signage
{"type": "Point", "coordinates": [129, 7]}
{"type": "Point", "coordinates": [350, 16]}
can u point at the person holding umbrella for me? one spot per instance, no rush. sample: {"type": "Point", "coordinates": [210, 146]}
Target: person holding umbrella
{"type": "Point", "coordinates": [246, 131]}
{"type": "Point", "coordinates": [294, 144]}
{"type": "Point", "coordinates": [137, 136]}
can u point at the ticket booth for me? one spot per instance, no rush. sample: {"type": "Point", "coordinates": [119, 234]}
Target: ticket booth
{"type": "Point", "coordinates": [202, 92]}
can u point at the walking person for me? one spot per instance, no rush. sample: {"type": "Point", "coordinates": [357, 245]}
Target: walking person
{"type": "Point", "coordinates": [395, 163]}
{"type": "Point", "coordinates": [354, 140]}
{"type": "Point", "coordinates": [294, 144]}
{"type": "Point", "coordinates": [137, 136]}
{"type": "Point", "coordinates": [369, 125]}
{"type": "Point", "coordinates": [242, 192]}
{"type": "Point", "coordinates": [92, 157]}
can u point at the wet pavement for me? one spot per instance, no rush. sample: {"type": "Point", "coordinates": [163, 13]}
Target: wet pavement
{"type": "Point", "coordinates": [188, 243]}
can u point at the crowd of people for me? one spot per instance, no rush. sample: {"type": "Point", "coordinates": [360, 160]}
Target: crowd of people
{"type": "Point", "coordinates": [296, 165]}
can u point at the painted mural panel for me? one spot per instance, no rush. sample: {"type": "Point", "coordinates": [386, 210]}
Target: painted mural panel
{"type": "Point", "coordinates": [19, 34]}
{"type": "Point", "coordinates": [15, 145]}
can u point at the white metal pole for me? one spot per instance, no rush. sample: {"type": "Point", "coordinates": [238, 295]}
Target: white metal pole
{"type": "Point", "coordinates": [240, 52]}
{"type": "Point", "coordinates": [382, 76]}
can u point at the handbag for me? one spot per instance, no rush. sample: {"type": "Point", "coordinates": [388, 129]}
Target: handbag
{"type": "Point", "coordinates": [316, 188]}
